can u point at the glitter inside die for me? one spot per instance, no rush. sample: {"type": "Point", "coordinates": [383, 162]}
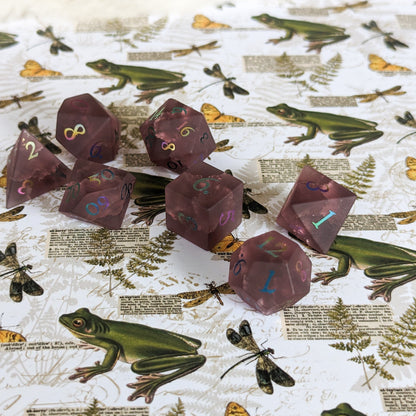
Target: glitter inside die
{"type": "Point", "coordinates": [98, 194]}
{"type": "Point", "coordinates": [177, 136]}
{"type": "Point", "coordinates": [270, 272]}
{"type": "Point", "coordinates": [315, 209]}
{"type": "Point", "coordinates": [203, 205]}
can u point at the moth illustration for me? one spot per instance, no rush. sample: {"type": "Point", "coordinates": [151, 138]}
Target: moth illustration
{"type": "Point", "coordinates": [203, 22]}
{"type": "Point", "coordinates": [213, 115]}
{"type": "Point", "coordinates": [34, 69]}
{"type": "Point", "coordinates": [234, 409]}
{"type": "Point", "coordinates": [379, 64]}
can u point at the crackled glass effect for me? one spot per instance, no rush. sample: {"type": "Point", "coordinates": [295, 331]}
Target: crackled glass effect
{"type": "Point", "coordinates": [315, 209]}
{"type": "Point", "coordinates": [87, 129]}
{"type": "Point", "coordinates": [98, 194]}
{"type": "Point", "coordinates": [203, 205]}
{"type": "Point", "coordinates": [177, 136]}
{"type": "Point", "coordinates": [32, 170]}
{"type": "Point", "coordinates": [270, 272]}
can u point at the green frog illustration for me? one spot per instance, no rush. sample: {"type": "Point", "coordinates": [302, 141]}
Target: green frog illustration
{"type": "Point", "coordinates": [152, 80]}
{"type": "Point", "coordinates": [150, 351]}
{"type": "Point", "coordinates": [343, 409]}
{"type": "Point", "coordinates": [345, 130]}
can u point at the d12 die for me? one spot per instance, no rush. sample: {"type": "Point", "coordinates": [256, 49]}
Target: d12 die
{"type": "Point", "coordinates": [203, 205]}
{"type": "Point", "coordinates": [177, 136]}
{"type": "Point", "coordinates": [32, 170]}
{"type": "Point", "coordinates": [87, 129]}
{"type": "Point", "coordinates": [270, 272]}
{"type": "Point", "coordinates": [316, 209]}
{"type": "Point", "coordinates": [98, 194]}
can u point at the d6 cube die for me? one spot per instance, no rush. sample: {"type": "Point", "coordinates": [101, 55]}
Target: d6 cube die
{"type": "Point", "coordinates": [98, 194]}
{"type": "Point", "coordinates": [315, 209]}
{"type": "Point", "coordinates": [270, 272]}
{"type": "Point", "coordinates": [203, 205]}
{"type": "Point", "coordinates": [177, 136]}
{"type": "Point", "coordinates": [87, 129]}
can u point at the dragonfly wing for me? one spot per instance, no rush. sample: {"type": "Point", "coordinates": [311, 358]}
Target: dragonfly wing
{"type": "Point", "coordinates": [32, 288]}
{"type": "Point", "coordinates": [226, 289]}
{"type": "Point", "coordinates": [244, 338]}
{"type": "Point", "coordinates": [15, 291]}
{"type": "Point", "coordinates": [197, 301]}
{"type": "Point", "coordinates": [277, 374]}
{"type": "Point", "coordinates": [263, 375]}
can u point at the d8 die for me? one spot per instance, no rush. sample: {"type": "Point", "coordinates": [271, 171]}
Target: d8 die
{"type": "Point", "coordinates": [32, 170]}
{"type": "Point", "coordinates": [98, 194]}
{"type": "Point", "coordinates": [177, 136]}
{"type": "Point", "coordinates": [270, 272]}
{"type": "Point", "coordinates": [316, 209]}
{"type": "Point", "coordinates": [203, 205]}
{"type": "Point", "coordinates": [87, 129]}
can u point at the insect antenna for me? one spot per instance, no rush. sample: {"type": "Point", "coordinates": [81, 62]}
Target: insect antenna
{"type": "Point", "coordinates": [206, 86]}
{"type": "Point", "coordinates": [251, 356]}
{"type": "Point", "coordinates": [407, 135]}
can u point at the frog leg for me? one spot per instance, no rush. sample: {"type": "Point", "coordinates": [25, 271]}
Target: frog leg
{"type": "Point", "coordinates": [154, 89]}
{"type": "Point", "coordinates": [384, 282]}
{"type": "Point", "coordinates": [310, 134]}
{"type": "Point", "coordinates": [289, 35]}
{"type": "Point", "coordinates": [343, 268]}
{"type": "Point", "coordinates": [345, 146]}
{"type": "Point", "coordinates": [318, 42]}
{"type": "Point", "coordinates": [122, 81]}
{"type": "Point", "coordinates": [151, 380]}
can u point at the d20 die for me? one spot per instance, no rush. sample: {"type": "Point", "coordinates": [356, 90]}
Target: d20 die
{"type": "Point", "coordinates": [315, 209]}
{"type": "Point", "coordinates": [32, 170]}
{"type": "Point", "coordinates": [270, 272]}
{"type": "Point", "coordinates": [98, 194]}
{"type": "Point", "coordinates": [87, 129]}
{"type": "Point", "coordinates": [203, 205]}
{"type": "Point", "coordinates": [177, 136]}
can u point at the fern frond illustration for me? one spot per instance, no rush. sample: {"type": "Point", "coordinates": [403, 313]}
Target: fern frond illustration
{"type": "Point", "coordinates": [146, 259]}
{"type": "Point", "coordinates": [306, 161]}
{"type": "Point", "coordinates": [92, 410]}
{"type": "Point", "coordinates": [355, 340]}
{"type": "Point", "coordinates": [177, 410]}
{"type": "Point", "coordinates": [104, 253]}
{"type": "Point", "coordinates": [359, 180]}
{"type": "Point", "coordinates": [149, 32]}
{"type": "Point", "coordinates": [325, 73]}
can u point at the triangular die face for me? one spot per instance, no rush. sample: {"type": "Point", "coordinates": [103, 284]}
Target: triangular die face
{"type": "Point", "coordinates": [32, 170]}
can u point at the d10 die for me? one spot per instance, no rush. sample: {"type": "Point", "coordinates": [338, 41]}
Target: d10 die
{"type": "Point", "coordinates": [270, 272]}
{"type": "Point", "coordinates": [87, 129]}
{"type": "Point", "coordinates": [32, 170]}
{"type": "Point", "coordinates": [177, 136]}
{"type": "Point", "coordinates": [203, 205]}
{"type": "Point", "coordinates": [316, 209]}
{"type": "Point", "coordinates": [98, 194]}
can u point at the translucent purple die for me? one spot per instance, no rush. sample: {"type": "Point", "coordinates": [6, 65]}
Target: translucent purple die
{"type": "Point", "coordinates": [32, 170]}
{"type": "Point", "coordinates": [270, 272]}
{"type": "Point", "coordinates": [177, 136]}
{"type": "Point", "coordinates": [98, 194]}
{"type": "Point", "coordinates": [204, 204]}
{"type": "Point", "coordinates": [87, 129]}
{"type": "Point", "coordinates": [315, 209]}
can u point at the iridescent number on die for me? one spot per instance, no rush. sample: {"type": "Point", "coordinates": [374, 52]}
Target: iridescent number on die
{"type": "Point", "coordinates": [237, 267]}
{"type": "Point", "coordinates": [178, 110]}
{"type": "Point", "coordinates": [281, 247]}
{"type": "Point", "coordinates": [71, 134]}
{"type": "Point", "coordinates": [317, 224]}
{"type": "Point", "coordinates": [32, 151]}
{"type": "Point", "coordinates": [187, 219]}
{"type": "Point", "coordinates": [97, 205]}
{"type": "Point", "coordinates": [26, 184]}
{"type": "Point", "coordinates": [204, 137]}
{"type": "Point", "coordinates": [230, 215]}
{"type": "Point", "coordinates": [73, 191]}
{"type": "Point", "coordinates": [168, 146]}
{"type": "Point", "coordinates": [205, 183]}
{"type": "Point", "coordinates": [95, 150]}
{"type": "Point", "coordinates": [126, 190]}
{"type": "Point", "coordinates": [150, 136]}
{"type": "Point", "coordinates": [317, 188]}
{"type": "Point", "coordinates": [157, 114]}
{"type": "Point", "coordinates": [266, 286]}
{"type": "Point", "coordinates": [95, 177]}
{"type": "Point", "coordinates": [299, 269]}
{"type": "Point", "coordinates": [174, 165]}
{"type": "Point", "coordinates": [186, 131]}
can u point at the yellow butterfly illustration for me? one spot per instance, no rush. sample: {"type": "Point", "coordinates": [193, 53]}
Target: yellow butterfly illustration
{"type": "Point", "coordinates": [202, 22]}
{"type": "Point", "coordinates": [411, 164]}
{"type": "Point", "coordinates": [379, 64]}
{"type": "Point", "coordinates": [213, 115]}
{"type": "Point", "coordinates": [228, 244]}
{"type": "Point", "coordinates": [234, 409]}
{"type": "Point", "coordinates": [10, 336]}
{"type": "Point", "coordinates": [34, 69]}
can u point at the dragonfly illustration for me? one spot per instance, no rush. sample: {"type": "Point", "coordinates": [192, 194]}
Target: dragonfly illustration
{"type": "Point", "coordinates": [266, 370]}
{"type": "Point", "coordinates": [367, 98]}
{"type": "Point", "coordinates": [21, 281]}
{"type": "Point", "coordinates": [406, 120]}
{"type": "Point", "coordinates": [17, 100]}
{"type": "Point", "coordinates": [56, 45]}
{"type": "Point", "coordinates": [389, 41]}
{"type": "Point", "coordinates": [229, 88]}
{"type": "Point", "coordinates": [194, 48]}
{"type": "Point", "coordinates": [200, 296]}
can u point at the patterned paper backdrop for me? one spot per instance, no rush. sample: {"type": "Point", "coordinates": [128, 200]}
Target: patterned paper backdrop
{"type": "Point", "coordinates": [348, 354]}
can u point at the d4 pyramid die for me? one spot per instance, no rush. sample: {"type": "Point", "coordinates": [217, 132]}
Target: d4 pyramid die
{"type": "Point", "coordinates": [87, 129]}
{"type": "Point", "coordinates": [315, 209]}
{"type": "Point", "coordinates": [32, 170]}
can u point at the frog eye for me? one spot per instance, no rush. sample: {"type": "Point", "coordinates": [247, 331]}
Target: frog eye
{"type": "Point", "coordinates": [281, 111]}
{"type": "Point", "coordinates": [78, 323]}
